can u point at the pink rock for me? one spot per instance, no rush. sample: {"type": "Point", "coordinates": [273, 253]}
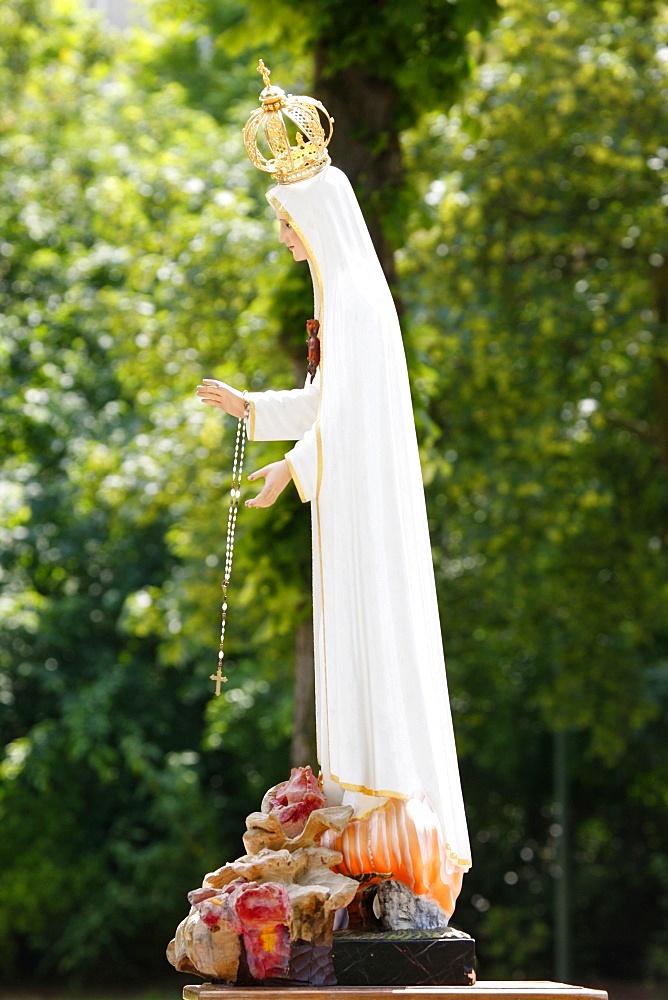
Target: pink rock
{"type": "Point", "coordinates": [294, 800]}
{"type": "Point", "coordinates": [261, 905]}
{"type": "Point", "coordinates": [268, 952]}
{"type": "Point", "coordinates": [264, 914]}
{"type": "Point", "coordinates": [217, 907]}
{"type": "Point", "coordinates": [197, 896]}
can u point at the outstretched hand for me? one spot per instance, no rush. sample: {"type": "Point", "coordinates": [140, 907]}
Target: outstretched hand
{"type": "Point", "coordinates": [221, 395]}
{"type": "Point", "coordinates": [276, 477]}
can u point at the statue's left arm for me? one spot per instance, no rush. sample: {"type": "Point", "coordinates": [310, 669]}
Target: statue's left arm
{"type": "Point", "coordinates": [273, 415]}
{"type": "Point", "coordinates": [282, 415]}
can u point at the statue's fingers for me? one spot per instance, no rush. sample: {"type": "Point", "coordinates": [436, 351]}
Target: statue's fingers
{"type": "Point", "coordinates": [258, 474]}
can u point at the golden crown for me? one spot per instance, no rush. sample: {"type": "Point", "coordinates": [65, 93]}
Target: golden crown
{"type": "Point", "coordinates": [289, 163]}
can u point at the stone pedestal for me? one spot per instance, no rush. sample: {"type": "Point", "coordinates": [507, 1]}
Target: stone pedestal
{"type": "Point", "coordinates": [481, 991]}
{"type": "Point", "coordinates": [444, 957]}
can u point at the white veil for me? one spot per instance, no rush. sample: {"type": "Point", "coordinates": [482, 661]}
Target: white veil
{"type": "Point", "coordinates": [383, 714]}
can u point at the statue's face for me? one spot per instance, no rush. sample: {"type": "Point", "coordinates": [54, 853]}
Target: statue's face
{"type": "Point", "coordinates": [288, 236]}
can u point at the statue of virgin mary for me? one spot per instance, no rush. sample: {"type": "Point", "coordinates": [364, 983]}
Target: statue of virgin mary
{"type": "Point", "coordinates": [385, 739]}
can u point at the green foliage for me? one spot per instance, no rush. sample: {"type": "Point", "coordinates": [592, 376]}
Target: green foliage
{"type": "Point", "coordinates": [188, 41]}
{"type": "Point", "coordinates": [539, 360]}
{"type": "Point", "coordinates": [131, 261]}
{"type": "Point", "coordinates": [422, 50]}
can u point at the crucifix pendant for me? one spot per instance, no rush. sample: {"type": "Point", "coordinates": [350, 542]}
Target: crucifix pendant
{"type": "Point", "coordinates": [219, 678]}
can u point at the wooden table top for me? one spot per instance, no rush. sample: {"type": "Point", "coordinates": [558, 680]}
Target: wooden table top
{"type": "Point", "coordinates": [519, 990]}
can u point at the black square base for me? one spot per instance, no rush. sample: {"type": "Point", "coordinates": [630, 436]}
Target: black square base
{"type": "Point", "coordinates": [443, 957]}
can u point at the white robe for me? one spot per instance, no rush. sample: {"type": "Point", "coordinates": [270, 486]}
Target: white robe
{"type": "Point", "coordinates": [384, 727]}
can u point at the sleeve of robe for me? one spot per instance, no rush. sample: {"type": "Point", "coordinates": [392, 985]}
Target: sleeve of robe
{"type": "Point", "coordinates": [290, 415]}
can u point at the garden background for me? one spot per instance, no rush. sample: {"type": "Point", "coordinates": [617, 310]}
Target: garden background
{"type": "Point", "coordinates": [512, 161]}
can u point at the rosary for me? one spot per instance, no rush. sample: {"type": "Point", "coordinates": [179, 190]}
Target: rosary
{"type": "Point", "coordinates": [235, 493]}
{"type": "Point", "coordinates": [313, 352]}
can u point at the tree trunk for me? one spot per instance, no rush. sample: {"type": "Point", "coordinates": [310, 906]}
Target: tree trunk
{"type": "Point", "coordinates": [661, 305]}
{"type": "Point", "coordinates": [303, 750]}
